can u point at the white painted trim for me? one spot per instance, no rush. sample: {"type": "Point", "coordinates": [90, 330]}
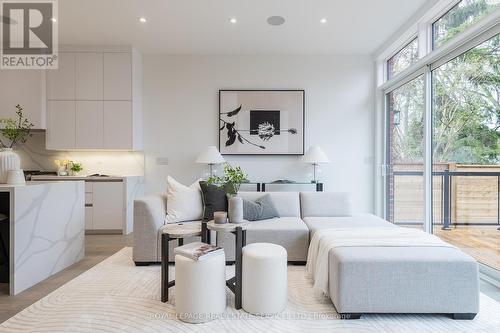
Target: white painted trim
{"type": "Point", "coordinates": [428, 150]}
{"type": "Point", "coordinates": [474, 35]}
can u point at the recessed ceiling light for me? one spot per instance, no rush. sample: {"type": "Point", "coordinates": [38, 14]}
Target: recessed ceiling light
{"type": "Point", "coordinates": [233, 20]}
{"type": "Point", "coordinates": [275, 20]}
{"type": "Point", "coordinates": [53, 19]}
{"type": "Point", "coordinates": [323, 20]}
{"type": "Point", "coordinates": [142, 19]}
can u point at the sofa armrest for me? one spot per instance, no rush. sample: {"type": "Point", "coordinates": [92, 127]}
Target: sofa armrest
{"type": "Point", "coordinates": [149, 216]}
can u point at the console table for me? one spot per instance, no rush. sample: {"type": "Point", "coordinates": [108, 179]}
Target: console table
{"type": "Point", "coordinates": [317, 186]}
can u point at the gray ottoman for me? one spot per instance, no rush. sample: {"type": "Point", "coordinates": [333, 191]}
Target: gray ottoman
{"type": "Point", "coordinates": [403, 280]}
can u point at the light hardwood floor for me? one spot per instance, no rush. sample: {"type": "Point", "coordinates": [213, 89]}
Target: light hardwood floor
{"type": "Point", "coordinates": [97, 248]}
{"type": "Point", "coordinates": [480, 242]}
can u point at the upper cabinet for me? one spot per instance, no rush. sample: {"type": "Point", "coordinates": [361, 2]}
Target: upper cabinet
{"type": "Point", "coordinates": [117, 76]}
{"type": "Point", "coordinates": [25, 87]}
{"type": "Point", "coordinates": [106, 86]}
{"type": "Point", "coordinates": [61, 81]}
{"type": "Point", "coordinates": [89, 76]}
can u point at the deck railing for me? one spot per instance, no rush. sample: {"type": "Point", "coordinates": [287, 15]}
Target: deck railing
{"type": "Point", "coordinates": [448, 191]}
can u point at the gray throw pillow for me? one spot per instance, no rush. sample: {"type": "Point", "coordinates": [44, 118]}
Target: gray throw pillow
{"type": "Point", "coordinates": [261, 209]}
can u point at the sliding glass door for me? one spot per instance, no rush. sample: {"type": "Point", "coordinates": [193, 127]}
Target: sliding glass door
{"type": "Point", "coordinates": [404, 153]}
{"type": "Point", "coordinates": [466, 151]}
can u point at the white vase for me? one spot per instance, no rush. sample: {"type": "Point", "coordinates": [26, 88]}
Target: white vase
{"type": "Point", "coordinates": [9, 160]}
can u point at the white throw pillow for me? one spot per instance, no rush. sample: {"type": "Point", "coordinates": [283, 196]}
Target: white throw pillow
{"type": "Point", "coordinates": [183, 203]}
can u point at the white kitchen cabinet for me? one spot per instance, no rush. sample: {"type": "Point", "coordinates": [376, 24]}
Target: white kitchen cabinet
{"type": "Point", "coordinates": [26, 88]}
{"type": "Point", "coordinates": [107, 91]}
{"type": "Point", "coordinates": [60, 125]}
{"type": "Point", "coordinates": [117, 76]}
{"type": "Point", "coordinates": [118, 125]}
{"type": "Point", "coordinates": [89, 225]}
{"type": "Point", "coordinates": [89, 125]}
{"type": "Point", "coordinates": [109, 201]}
{"type": "Point", "coordinates": [89, 76]}
{"type": "Point", "coordinates": [108, 205]}
{"type": "Point", "coordinates": [61, 81]}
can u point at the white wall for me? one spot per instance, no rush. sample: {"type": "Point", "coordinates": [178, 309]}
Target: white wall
{"type": "Point", "coordinates": [181, 116]}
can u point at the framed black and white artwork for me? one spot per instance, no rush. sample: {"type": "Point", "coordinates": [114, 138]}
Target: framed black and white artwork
{"type": "Point", "coordinates": [261, 122]}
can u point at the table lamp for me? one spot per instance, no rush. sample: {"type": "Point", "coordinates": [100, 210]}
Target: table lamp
{"type": "Point", "coordinates": [210, 156]}
{"type": "Point", "coordinates": [315, 156]}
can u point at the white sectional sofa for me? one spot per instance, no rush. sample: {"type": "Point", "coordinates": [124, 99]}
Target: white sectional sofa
{"type": "Point", "coordinates": [362, 279]}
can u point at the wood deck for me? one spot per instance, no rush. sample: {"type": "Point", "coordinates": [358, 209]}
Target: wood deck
{"type": "Point", "coordinates": [481, 242]}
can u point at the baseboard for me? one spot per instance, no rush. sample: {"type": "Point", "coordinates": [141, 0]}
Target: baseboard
{"type": "Point", "coordinates": [489, 275]}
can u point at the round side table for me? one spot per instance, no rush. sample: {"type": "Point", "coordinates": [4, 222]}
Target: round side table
{"type": "Point", "coordinates": [173, 231]}
{"type": "Point", "coordinates": [240, 232]}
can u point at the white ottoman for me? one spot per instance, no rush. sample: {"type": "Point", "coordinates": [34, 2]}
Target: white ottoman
{"type": "Point", "coordinates": [200, 288]}
{"type": "Point", "coordinates": [264, 287]}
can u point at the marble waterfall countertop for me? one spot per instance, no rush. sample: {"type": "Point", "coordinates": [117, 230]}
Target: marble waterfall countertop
{"type": "Point", "coordinates": [47, 229]}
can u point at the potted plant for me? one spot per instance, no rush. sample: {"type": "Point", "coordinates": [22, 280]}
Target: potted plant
{"type": "Point", "coordinates": [76, 168]}
{"type": "Point", "coordinates": [13, 132]}
{"type": "Point", "coordinates": [231, 180]}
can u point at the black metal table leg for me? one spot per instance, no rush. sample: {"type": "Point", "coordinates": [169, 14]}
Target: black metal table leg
{"type": "Point", "coordinates": [165, 239]}
{"type": "Point", "coordinates": [243, 238]}
{"type": "Point", "coordinates": [239, 267]}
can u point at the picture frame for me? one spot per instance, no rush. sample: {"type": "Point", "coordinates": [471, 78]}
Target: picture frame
{"type": "Point", "coordinates": [261, 122]}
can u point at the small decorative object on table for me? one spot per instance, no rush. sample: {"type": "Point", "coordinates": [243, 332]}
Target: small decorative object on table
{"type": "Point", "coordinates": [76, 168]}
{"type": "Point", "coordinates": [197, 250]}
{"type": "Point", "coordinates": [220, 217]}
{"type": "Point", "coordinates": [16, 131]}
{"type": "Point", "coordinates": [235, 209]}
{"type": "Point", "coordinates": [62, 167]}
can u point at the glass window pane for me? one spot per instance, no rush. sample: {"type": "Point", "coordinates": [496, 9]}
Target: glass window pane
{"type": "Point", "coordinates": [404, 58]}
{"type": "Point", "coordinates": [460, 17]}
{"type": "Point", "coordinates": [466, 151]}
{"type": "Point", "coordinates": [404, 188]}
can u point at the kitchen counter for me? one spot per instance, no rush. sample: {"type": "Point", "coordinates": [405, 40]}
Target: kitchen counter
{"type": "Point", "coordinates": [46, 227]}
{"type": "Point", "coordinates": [109, 201]}
{"type": "Point", "coordinates": [94, 179]}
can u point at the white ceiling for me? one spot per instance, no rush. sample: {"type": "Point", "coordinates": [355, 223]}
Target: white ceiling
{"type": "Point", "coordinates": [202, 26]}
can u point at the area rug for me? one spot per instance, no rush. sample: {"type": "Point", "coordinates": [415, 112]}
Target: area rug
{"type": "Point", "coordinates": [116, 296]}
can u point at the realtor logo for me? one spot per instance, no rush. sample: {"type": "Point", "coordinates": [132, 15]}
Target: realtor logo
{"type": "Point", "coordinates": [29, 34]}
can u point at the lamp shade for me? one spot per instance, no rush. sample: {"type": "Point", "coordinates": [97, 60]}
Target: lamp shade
{"type": "Point", "coordinates": [315, 155]}
{"type": "Point", "coordinates": [210, 155]}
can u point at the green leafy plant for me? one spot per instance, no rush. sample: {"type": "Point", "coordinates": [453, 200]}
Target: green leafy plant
{"type": "Point", "coordinates": [232, 179]}
{"type": "Point", "coordinates": [15, 130]}
{"type": "Point", "coordinates": [76, 167]}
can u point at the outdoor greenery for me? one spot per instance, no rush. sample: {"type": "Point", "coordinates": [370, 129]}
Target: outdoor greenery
{"type": "Point", "coordinates": [232, 179]}
{"type": "Point", "coordinates": [15, 131]}
{"type": "Point", "coordinates": [460, 17]}
{"type": "Point", "coordinates": [465, 107]}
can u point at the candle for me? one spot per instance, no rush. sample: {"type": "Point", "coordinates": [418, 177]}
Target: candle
{"type": "Point", "coordinates": [220, 217]}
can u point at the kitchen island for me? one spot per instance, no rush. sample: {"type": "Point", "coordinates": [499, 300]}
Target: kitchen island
{"type": "Point", "coordinates": [46, 227]}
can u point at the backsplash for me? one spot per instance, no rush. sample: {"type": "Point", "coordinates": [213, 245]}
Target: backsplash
{"type": "Point", "coordinates": [34, 156]}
